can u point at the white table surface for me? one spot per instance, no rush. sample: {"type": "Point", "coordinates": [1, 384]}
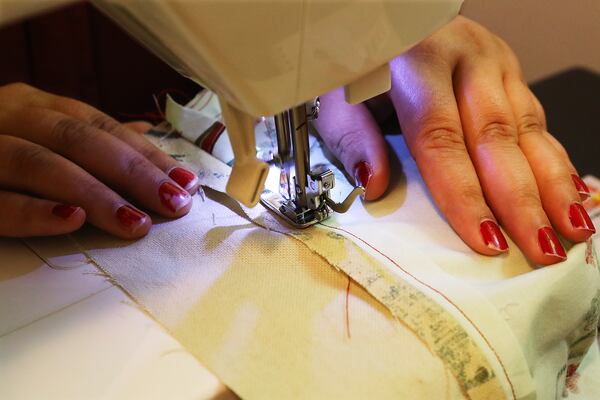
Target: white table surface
{"type": "Point", "coordinates": [70, 334]}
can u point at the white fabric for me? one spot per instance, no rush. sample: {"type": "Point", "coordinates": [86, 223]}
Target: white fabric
{"type": "Point", "coordinates": [265, 312]}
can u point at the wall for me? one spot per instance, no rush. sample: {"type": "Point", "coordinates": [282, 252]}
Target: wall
{"type": "Point", "coordinates": [547, 35]}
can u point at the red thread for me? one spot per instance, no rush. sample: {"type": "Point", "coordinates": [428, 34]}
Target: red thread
{"type": "Point", "coordinates": [438, 292]}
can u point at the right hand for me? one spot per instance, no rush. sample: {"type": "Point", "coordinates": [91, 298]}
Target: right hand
{"type": "Point", "coordinates": [479, 138]}
{"type": "Point", "coordinates": [62, 163]}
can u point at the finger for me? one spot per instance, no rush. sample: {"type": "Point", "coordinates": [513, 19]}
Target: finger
{"type": "Point", "coordinates": [429, 118]}
{"type": "Point", "coordinates": [29, 168]}
{"type": "Point", "coordinates": [580, 186]}
{"type": "Point", "coordinates": [129, 134]}
{"type": "Point", "coordinates": [26, 216]}
{"type": "Point", "coordinates": [553, 175]}
{"type": "Point", "coordinates": [104, 156]}
{"type": "Point", "coordinates": [139, 127]}
{"type": "Point", "coordinates": [539, 110]}
{"type": "Point", "coordinates": [505, 174]}
{"type": "Point", "coordinates": [541, 114]}
{"type": "Point", "coordinates": [352, 135]}
{"type": "Point", "coordinates": [560, 150]}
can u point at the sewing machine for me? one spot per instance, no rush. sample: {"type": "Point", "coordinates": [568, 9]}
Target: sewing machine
{"type": "Point", "coordinates": [274, 58]}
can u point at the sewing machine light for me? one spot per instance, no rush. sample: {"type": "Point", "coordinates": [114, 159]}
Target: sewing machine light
{"type": "Point", "coordinates": [304, 192]}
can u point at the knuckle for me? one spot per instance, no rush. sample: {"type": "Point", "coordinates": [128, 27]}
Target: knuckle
{"type": "Point", "coordinates": [440, 140]}
{"type": "Point", "coordinates": [348, 142]}
{"type": "Point", "coordinates": [104, 122]}
{"type": "Point", "coordinates": [527, 198]}
{"type": "Point", "coordinates": [498, 130]}
{"type": "Point", "coordinates": [474, 35]}
{"type": "Point", "coordinates": [70, 132]}
{"type": "Point", "coordinates": [529, 123]}
{"type": "Point", "coordinates": [470, 194]}
{"type": "Point", "coordinates": [153, 154]}
{"type": "Point", "coordinates": [135, 165]}
{"type": "Point", "coordinates": [23, 157]}
{"type": "Point", "coordinates": [428, 46]}
{"type": "Point", "coordinates": [558, 179]}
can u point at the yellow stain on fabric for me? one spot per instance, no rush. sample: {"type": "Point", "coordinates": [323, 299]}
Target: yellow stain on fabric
{"type": "Point", "coordinates": [276, 291]}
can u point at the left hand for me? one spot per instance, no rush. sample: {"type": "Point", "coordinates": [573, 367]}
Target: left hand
{"type": "Point", "coordinates": [478, 136]}
{"type": "Point", "coordinates": [62, 163]}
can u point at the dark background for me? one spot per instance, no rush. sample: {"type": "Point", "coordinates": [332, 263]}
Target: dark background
{"type": "Point", "coordinates": [78, 52]}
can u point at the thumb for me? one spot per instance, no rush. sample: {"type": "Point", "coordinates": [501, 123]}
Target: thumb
{"type": "Point", "coordinates": [351, 133]}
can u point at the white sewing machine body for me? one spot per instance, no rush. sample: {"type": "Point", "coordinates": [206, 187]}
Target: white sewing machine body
{"type": "Point", "coordinates": [267, 58]}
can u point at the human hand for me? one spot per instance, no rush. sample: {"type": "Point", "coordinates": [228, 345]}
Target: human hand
{"type": "Point", "coordinates": [62, 163]}
{"type": "Point", "coordinates": [479, 138]}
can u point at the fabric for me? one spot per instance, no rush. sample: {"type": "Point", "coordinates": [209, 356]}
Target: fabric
{"type": "Point", "coordinates": [273, 313]}
{"type": "Point", "coordinates": [407, 212]}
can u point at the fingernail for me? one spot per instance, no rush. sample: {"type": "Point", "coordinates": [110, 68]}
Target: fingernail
{"type": "Point", "coordinates": [580, 218]}
{"type": "Point", "coordinates": [64, 211]}
{"type": "Point", "coordinates": [492, 235]}
{"type": "Point", "coordinates": [173, 197]}
{"type": "Point", "coordinates": [550, 244]}
{"type": "Point", "coordinates": [130, 218]}
{"type": "Point", "coordinates": [362, 174]}
{"type": "Point", "coordinates": [581, 187]}
{"type": "Point", "coordinates": [184, 178]}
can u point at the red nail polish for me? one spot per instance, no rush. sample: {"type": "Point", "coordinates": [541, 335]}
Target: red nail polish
{"type": "Point", "coordinates": [549, 243]}
{"type": "Point", "coordinates": [173, 197]}
{"type": "Point", "coordinates": [581, 187]}
{"type": "Point", "coordinates": [184, 178]}
{"type": "Point", "coordinates": [64, 211]}
{"type": "Point", "coordinates": [580, 218]}
{"type": "Point", "coordinates": [492, 235]}
{"type": "Point", "coordinates": [130, 218]}
{"type": "Point", "coordinates": [362, 174]}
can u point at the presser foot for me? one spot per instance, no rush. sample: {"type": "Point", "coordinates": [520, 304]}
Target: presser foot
{"type": "Point", "coordinates": [304, 217]}
{"type": "Point", "coordinates": [287, 210]}
{"type": "Point", "coordinates": [303, 199]}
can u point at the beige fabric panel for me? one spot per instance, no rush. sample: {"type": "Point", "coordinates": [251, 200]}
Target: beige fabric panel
{"type": "Point", "coordinates": [266, 314]}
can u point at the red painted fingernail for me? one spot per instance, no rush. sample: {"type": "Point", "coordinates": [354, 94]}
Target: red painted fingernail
{"type": "Point", "coordinates": [580, 218]}
{"type": "Point", "coordinates": [64, 211]}
{"type": "Point", "coordinates": [362, 174]}
{"type": "Point", "coordinates": [550, 244]}
{"type": "Point", "coordinates": [184, 178]}
{"type": "Point", "coordinates": [492, 235]}
{"type": "Point", "coordinates": [130, 218]}
{"type": "Point", "coordinates": [581, 187]}
{"type": "Point", "coordinates": [173, 197]}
